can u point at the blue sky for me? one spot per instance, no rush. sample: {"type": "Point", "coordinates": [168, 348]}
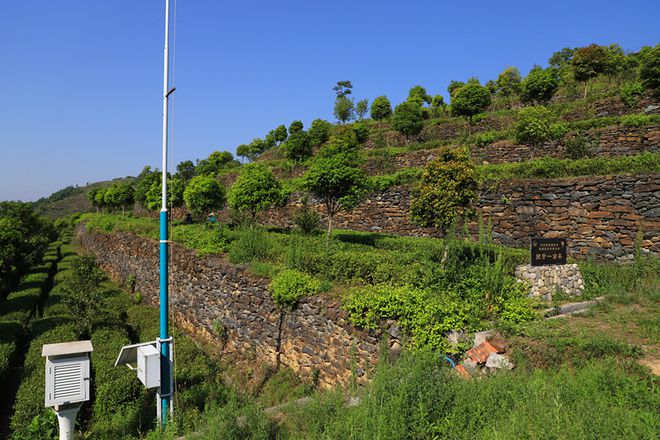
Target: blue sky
{"type": "Point", "coordinates": [81, 79]}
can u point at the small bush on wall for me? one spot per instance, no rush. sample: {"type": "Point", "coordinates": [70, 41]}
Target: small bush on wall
{"type": "Point", "coordinates": [290, 285]}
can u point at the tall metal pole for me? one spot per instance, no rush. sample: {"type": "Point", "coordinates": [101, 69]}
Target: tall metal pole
{"type": "Point", "coordinates": [164, 392]}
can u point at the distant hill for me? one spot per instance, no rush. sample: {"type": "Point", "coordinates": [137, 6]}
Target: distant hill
{"type": "Point", "coordinates": [72, 199]}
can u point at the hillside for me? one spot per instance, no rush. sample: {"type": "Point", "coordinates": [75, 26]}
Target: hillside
{"type": "Point", "coordinates": [371, 279]}
{"type": "Point", "coordinates": [73, 200]}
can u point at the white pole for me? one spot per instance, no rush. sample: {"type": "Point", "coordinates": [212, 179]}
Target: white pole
{"type": "Point", "coordinates": [166, 73]}
{"type": "Point", "coordinates": [66, 418]}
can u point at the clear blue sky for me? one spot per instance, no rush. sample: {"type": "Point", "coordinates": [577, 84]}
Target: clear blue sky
{"type": "Point", "coordinates": [81, 79]}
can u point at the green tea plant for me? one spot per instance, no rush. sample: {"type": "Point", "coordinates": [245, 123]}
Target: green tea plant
{"type": "Point", "coordinates": [290, 285]}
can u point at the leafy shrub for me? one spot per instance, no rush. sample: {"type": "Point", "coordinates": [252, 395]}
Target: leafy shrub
{"type": "Point", "coordinates": [446, 190]}
{"type": "Point", "coordinates": [319, 132]}
{"type": "Point", "coordinates": [306, 218]}
{"type": "Point", "coordinates": [290, 285]}
{"type": "Point", "coordinates": [211, 240]}
{"type": "Point", "coordinates": [649, 72]}
{"type": "Point", "coordinates": [116, 389]}
{"type": "Point", "coordinates": [630, 94]}
{"type": "Point", "coordinates": [425, 317]}
{"type": "Point", "coordinates": [635, 120]}
{"type": "Point", "coordinates": [578, 146]}
{"type": "Point", "coordinates": [11, 334]}
{"type": "Point", "coordinates": [535, 125]}
{"type": "Point", "coordinates": [83, 292]}
{"type": "Point", "coordinates": [250, 244]}
{"type": "Point", "coordinates": [401, 177]}
{"type": "Point", "coordinates": [484, 139]}
{"type": "Point", "coordinates": [361, 132]}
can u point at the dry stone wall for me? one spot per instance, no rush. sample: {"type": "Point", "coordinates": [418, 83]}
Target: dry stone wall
{"type": "Point", "coordinates": [600, 216]}
{"type": "Point", "coordinates": [608, 142]}
{"type": "Point", "coordinates": [222, 305]}
{"type": "Point", "coordinates": [544, 281]}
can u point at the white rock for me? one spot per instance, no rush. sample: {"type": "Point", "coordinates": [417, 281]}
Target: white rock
{"type": "Point", "coordinates": [496, 360]}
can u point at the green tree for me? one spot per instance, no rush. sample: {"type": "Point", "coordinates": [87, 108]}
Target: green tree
{"type": "Point", "coordinates": [589, 62]}
{"type": "Point", "coordinates": [381, 109]}
{"type": "Point", "coordinates": [256, 189]}
{"type": "Point", "coordinates": [175, 188]}
{"type": "Point", "coordinates": [649, 72]}
{"type": "Point", "coordinates": [408, 119]}
{"type": "Point", "coordinates": [453, 87]}
{"type": "Point", "coordinates": [119, 196]}
{"type": "Point", "coordinates": [561, 58]}
{"type": "Point", "coordinates": [470, 100]}
{"type": "Point", "coordinates": [446, 191]}
{"type": "Point", "coordinates": [298, 147]}
{"type": "Point", "coordinates": [295, 127]}
{"type": "Point", "coordinates": [24, 236]}
{"type": "Point", "coordinates": [508, 83]}
{"type": "Point", "coordinates": [337, 182]}
{"type": "Point", "coordinates": [91, 196]}
{"type": "Point", "coordinates": [252, 150]}
{"type": "Point", "coordinates": [218, 161]}
{"type": "Point", "coordinates": [438, 105]}
{"type": "Point", "coordinates": [143, 184]}
{"type": "Point", "coordinates": [539, 86]}
{"type": "Point", "coordinates": [418, 95]}
{"type": "Point", "coordinates": [362, 108]}
{"type": "Point", "coordinates": [344, 109]}
{"type": "Point", "coordinates": [319, 132]}
{"type": "Point", "coordinates": [343, 88]}
{"type": "Point", "coordinates": [83, 293]}
{"type": "Point", "coordinates": [277, 136]}
{"type": "Point", "coordinates": [99, 198]}
{"type": "Point", "coordinates": [204, 194]}
{"type": "Point", "coordinates": [185, 170]}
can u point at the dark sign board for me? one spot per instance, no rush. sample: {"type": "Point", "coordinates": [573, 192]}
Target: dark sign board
{"type": "Point", "coordinates": [546, 251]}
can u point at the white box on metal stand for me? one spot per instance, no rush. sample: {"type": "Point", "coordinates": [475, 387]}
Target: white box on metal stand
{"type": "Point", "coordinates": [148, 366]}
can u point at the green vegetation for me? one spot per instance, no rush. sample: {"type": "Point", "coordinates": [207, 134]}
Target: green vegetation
{"type": "Point", "coordinates": [536, 125]}
{"type": "Point", "coordinates": [470, 100]}
{"type": "Point", "coordinates": [445, 192]}
{"type": "Point", "coordinates": [204, 195]}
{"type": "Point", "coordinates": [23, 239]}
{"type": "Point", "coordinates": [290, 285]}
{"type": "Point", "coordinates": [255, 190]}
{"type": "Point", "coordinates": [552, 168]}
{"type": "Point", "coordinates": [407, 119]}
{"type": "Point", "coordinates": [337, 182]}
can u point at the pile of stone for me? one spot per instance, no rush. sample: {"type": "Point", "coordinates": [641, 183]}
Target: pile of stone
{"type": "Point", "coordinates": [487, 355]}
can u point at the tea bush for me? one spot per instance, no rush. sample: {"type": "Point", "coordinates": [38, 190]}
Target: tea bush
{"type": "Point", "coordinates": [635, 120]}
{"type": "Point", "coordinates": [250, 244]}
{"type": "Point", "coordinates": [289, 286]}
{"type": "Point", "coordinates": [536, 125]}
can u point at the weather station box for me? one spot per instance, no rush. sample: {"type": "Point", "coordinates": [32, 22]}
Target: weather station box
{"type": "Point", "coordinates": [148, 366]}
{"type": "Point", "coordinates": [67, 372]}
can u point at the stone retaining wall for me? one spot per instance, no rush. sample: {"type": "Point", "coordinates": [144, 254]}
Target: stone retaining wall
{"type": "Point", "coordinates": [609, 142]}
{"type": "Point", "coordinates": [600, 216]}
{"type": "Point", "coordinates": [221, 304]}
{"type": "Point", "coordinates": [544, 281]}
